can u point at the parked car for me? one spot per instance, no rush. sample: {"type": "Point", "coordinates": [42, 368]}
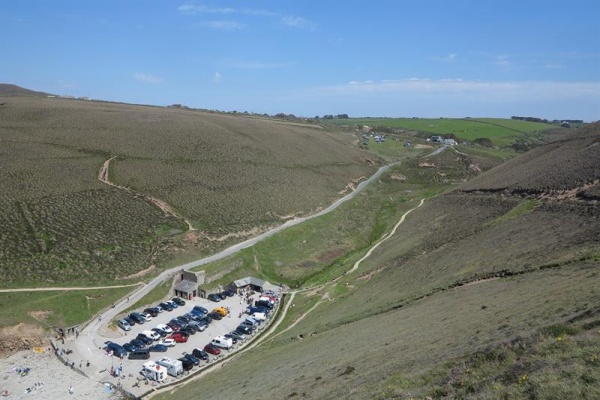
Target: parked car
{"type": "Point", "coordinates": [138, 343]}
{"type": "Point", "coordinates": [160, 332]}
{"type": "Point", "coordinates": [179, 337]}
{"type": "Point", "coordinates": [138, 318]}
{"type": "Point", "coordinates": [201, 354]}
{"type": "Point", "coordinates": [158, 347]}
{"type": "Point", "coordinates": [221, 310]}
{"type": "Point", "coordinates": [146, 316]}
{"type": "Point", "coordinates": [234, 339]}
{"type": "Point", "coordinates": [228, 293]}
{"type": "Point", "coordinates": [173, 304]}
{"type": "Point", "coordinates": [209, 348]}
{"type": "Point", "coordinates": [124, 325]}
{"type": "Point", "coordinates": [238, 335]}
{"type": "Point", "coordinates": [151, 334]}
{"type": "Point", "coordinates": [252, 310]}
{"type": "Point", "coordinates": [199, 326]}
{"type": "Point", "coordinates": [141, 354]}
{"type": "Point", "coordinates": [147, 341]}
{"type": "Point", "coordinates": [168, 342]}
{"type": "Point", "coordinates": [183, 318]}
{"type": "Point", "coordinates": [244, 329]}
{"type": "Point", "coordinates": [187, 330]}
{"type": "Point", "coordinates": [222, 295]}
{"type": "Point", "coordinates": [259, 316]}
{"type": "Point", "coordinates": [165, 328]}
{"type": "Point", "coordinates": [129, 320]}
{"type": "Point", "coordinates": [152, 311]}
{"type": "Point", "coordinates": [130, 347]}
{"type": "Point", "coordinates": [174, 324]}
{"type": "Point", "coordinates": [166, 306]}
{"type": "Point", "coordinates": [214, 297]}
{"type": "Point", "coordinates": [192, 317]}
{"type": "Point", "coordinates": [192, 358]}
{"type": "Point", "coordinates": [116, 349]}
{"type": "Point", "coordinates": [179, 301]}
{"type": "Point", "coordinates": [157, 309]}
{"type": "Point", "coordinates": [200, 309]}
{"type": "Point", "coordinates": [263, 303]}
{"type": "Point", "coordinates": [206, 319]}
{"type": "Point", "coordinates": [187, 364]}
{"type": "Point", "coordinates": [215, 315]}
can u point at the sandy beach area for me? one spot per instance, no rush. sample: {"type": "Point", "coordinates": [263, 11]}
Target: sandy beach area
{"type": "Point", "coordinates": [47, 378]}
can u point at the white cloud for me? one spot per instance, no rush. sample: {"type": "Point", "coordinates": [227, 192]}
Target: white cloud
{"type": "Point", "coordinates": [194, 9]}
{"type": "Point", "coordinates": [489, 90]}
{"type": "Point", "coordinates": [503, 61]}
{"type": "Point", "coordinates": [149, 78]}
{"type": "Point", "coordinates": [450, 58]}
{"type": "Point", "coordinates": [224, 25]}
{"type": "Point", "coordinates": [260, 65]}
{"type": "Point", "coordinates": [298, 22]}
{"type": "Point", "coordinates": [217, 77]}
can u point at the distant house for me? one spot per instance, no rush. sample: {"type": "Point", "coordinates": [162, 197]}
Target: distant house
{"type": "Point", "coordinates": [449, 142]}
{"type": "Point", "coordinates": [187, 287]}
{"type": "Point", "coordinates": [437, 139]}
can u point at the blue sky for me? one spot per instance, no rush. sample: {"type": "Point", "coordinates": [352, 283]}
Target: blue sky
{"type": "Point", "coordinates": [423, 58]}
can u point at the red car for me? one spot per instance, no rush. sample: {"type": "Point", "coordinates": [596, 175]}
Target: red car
{"type": "Point", "coordinates": [209, 348]}
{"type": "Point", "coordinates": [179, 337]}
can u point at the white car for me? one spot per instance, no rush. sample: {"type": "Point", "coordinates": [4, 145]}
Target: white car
{"type": "Point", "coordinates": [259, 316]}
{"type": "Point", "coordinates": [151, 334]}
{"type": "Point", "coordinates": [146, 316]}
{"type": "Point", "coordinates": [168, 342]}
{"type": "Point", "coordinates": [165, 328]}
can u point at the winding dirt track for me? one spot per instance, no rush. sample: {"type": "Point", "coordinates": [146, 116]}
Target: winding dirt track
{"type": "Point", "coordinates": [53, 289]}
{"type": "Point", "coordinates": [103, 177]}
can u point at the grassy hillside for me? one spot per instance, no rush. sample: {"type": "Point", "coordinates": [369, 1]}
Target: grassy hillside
{"type": "Point", "coordinates": [480, 294]}
{"type": "Point", "coordinates": [230, 176]}
{"type": "Point", "coordinates": [7, 89]}
{"type": "Point", "coordinates": [502, 132]}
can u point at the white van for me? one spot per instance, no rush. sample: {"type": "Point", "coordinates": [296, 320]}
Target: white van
{"type": "Point", "coordinates": [154, 372]}
{"type": "Point", "coordinates": [222, 342]}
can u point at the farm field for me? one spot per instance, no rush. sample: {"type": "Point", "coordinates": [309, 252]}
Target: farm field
{"type": "Point", "coordinates": [231, 176]}
{"type": "Point", "coordinates": [502, 132]}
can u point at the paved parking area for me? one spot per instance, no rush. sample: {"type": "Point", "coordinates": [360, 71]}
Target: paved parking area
{"type": "Point", "coordinates": [131, 379]}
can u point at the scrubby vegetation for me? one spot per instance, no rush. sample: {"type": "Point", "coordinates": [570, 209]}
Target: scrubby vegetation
{"type": "Point", "coordinates": [231, 176]}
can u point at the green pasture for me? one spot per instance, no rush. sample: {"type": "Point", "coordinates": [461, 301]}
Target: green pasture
{"type": "Point", "coordinates": [59, 308]}
{"type": "Point", "coordinates": [502, 132]}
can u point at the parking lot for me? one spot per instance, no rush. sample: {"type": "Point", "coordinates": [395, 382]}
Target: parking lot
{"type": "Point", "coordinates": [130, 377]}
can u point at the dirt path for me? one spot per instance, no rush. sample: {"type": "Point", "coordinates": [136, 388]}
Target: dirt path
{"type": "Point", "coordinates": [52, 289]}
{"type": "Point", "coordinates": [103, 177]}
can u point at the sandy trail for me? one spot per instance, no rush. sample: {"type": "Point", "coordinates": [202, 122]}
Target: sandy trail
{"type": "Point", "coordinates": [163, 205]}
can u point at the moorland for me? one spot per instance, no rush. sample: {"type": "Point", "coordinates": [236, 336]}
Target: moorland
{"type": "Point", "coordinates": [487, 290]}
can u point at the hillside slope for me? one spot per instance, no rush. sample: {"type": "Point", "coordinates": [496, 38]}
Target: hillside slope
{"type": "Point", "coordinates": [480, 294]}
{"type": "Point", "coordinates": [7, 89]}
{"type": "Point", "coordinates": [231, 176]}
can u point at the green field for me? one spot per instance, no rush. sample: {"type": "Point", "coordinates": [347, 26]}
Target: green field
{"type": "Point", "coordinates": [502, 132]}
{"type": "Point", "coordinates": [56, 308]}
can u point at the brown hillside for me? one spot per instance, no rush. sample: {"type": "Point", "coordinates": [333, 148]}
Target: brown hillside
{"type": "Point", "coordinates": [7, 89]}
{"type": "Point", "coordinates": [568, 164]}
{"type": "Point", "coordinates": [230, 176]}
